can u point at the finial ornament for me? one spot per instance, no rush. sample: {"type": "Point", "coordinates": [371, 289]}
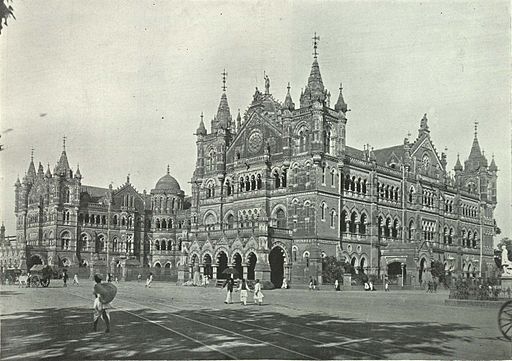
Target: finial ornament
{"type": "Point", "coordinates": [476, 128]}
{"type": "Point", "coordinates": [64, 143]}
{"type": "Point", "coordinates": [341, 86]}
{"type": "Point", "coordinates": [128, 179]}
{"type": "Point", "coordinates": [32, 154]}
{"type": "Point", "coordinates": [168, 169]}
{"type": "Point", "coordinates": [202, 116]}
{"type": "Point", "coordinates": [316, 39]}
{"type": "Point", "coordinates": [288, 87]}
{"type": "Point", "coordinates": [224, 75]}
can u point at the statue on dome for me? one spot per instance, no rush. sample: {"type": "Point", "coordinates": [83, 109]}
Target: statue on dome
{"type": "Point", "coordinates": [257, 95]}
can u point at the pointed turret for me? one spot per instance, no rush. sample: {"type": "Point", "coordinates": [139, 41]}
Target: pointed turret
{"type": "Point", "coordinates": [476, 159]}
{"type": "Point", "coordinates": [78, 175]}
{"type": "Point", "coordinates": [288, 102]}
{"type": "Point", "coordinates": [493, 167]}
{"type": "Point", "coordinates": [223, 118]}
{"type": "Point", "coordinates": [31, 173]}
{"type": "Point", "coordinates": [18, 183]}
{"type": "Point", "coordinates": [314, 90]}
{"type": "Point", "coordinates": [48, 173]}
{"type": "Point", "coordinates": [40, 170]}
{"type": "Point", "coordinates": [201, 130]}
{"type": "Point", "coordinates": [475, 153]}
{"type": "Point", "coordinates": [340, 104]}
{"type": "Point", "coordinates": [458, 165]}
{"type": "Point", "coordinates": [423, 126]}
{"type": "Point", "coordinates": [62, 168]}
{"type": "Point", "coordinates": [238, 121]}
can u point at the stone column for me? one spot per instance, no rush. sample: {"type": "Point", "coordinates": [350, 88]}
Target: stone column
{"type": "Point", "coordinates": [245, 271]}
{"type": "Point", "coordinates": [214, 271]}
{"type": "Point", "coordinates": [402, 265]}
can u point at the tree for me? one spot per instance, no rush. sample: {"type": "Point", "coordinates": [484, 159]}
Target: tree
{"type": "Point", "coordinates": [6, 11]}
{"type": "Point", "coordinates": [333, 269]}
{"type": "Point", "coordinates": [437, 271]}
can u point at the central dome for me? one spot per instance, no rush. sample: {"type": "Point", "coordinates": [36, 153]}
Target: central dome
{"type": "Point", "coordinates": [168, 184]}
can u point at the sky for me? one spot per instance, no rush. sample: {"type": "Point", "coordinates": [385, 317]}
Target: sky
{"type": "Point", "coordinates": [126, 81]}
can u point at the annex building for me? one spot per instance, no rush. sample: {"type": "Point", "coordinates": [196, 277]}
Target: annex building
{"type": "Point", "coordinates": [274, 190]}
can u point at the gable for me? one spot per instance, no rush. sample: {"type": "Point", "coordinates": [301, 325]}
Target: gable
{"type": "Point", "coordinates": [425, 151]}
{"type": "Point", "coordinates": [256, 134]}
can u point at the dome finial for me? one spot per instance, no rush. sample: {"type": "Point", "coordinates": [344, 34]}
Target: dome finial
{"type": "Point", "coordinates": [32, 155]}
{"type": "Point", "coordinates": [168, 169]}
{"type": "Point", "coordinates": [64, 143]}
{"type": "Point", "coordinates": [476, 129]}
{"type": "Point", "coordinates": [316, 39]}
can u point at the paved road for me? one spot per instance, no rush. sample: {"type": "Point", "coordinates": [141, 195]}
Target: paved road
{"type": "Point", "coordinates": [171, 322]}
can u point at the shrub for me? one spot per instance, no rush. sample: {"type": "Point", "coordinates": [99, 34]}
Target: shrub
{"type": "Point", "coordinates": [465, 289]}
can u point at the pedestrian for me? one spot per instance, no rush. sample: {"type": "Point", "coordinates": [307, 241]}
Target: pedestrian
{"type": "Point", "coordinates": [243, 288]}
{"type": "Point", "coordinates": [386, 285]}
{"type": "Point", "coordinates": [284, 284]}
{"type": "Point", "coordinates": [336, 285]}
{"type": "Point", "coordinates": [435, 286]}
{"type": "Point", "coordinates": [370, 284]}
{"type": "Point", "coordinates": [429, 287]}
{"type": "Point", "coordinates": [314, 284]}
{"type": "Point", "coordinates": [139, 277]}
{"type": "Point", "coordinates": [206, 280]}
{"type": "Point", "coordinates": [258, 295]}
{"type": "Point", "coordinates": [311, 284]}
{"type": "Point", "coordinates": [75, 280]}
{"type": "Point", "coordinates": [100, 309]}
{"type": "Point", "coordinates": [229, 285]}
{"type": "Point", "coordinates": [149, 280]}
{"type": "Point", "coordinates": [65, 278]}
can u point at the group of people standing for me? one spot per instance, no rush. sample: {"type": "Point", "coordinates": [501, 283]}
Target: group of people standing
{"type": "Point", "coordinates": [244, 289]}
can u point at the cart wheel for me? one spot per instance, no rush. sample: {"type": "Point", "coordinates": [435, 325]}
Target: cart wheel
{"type": "Point", "coordinates": [45, 282]}
{"type": "Point", "coordinates": [505, 320]}
{"type": "Point", "coordinates": [34, 281]}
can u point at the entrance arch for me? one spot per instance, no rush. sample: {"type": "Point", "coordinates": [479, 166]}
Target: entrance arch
{"type": "Point", "coordinates": [207, 261]}
{"type": "Point", "coordinates": [251, 265]}
{"type": "Point", "coordinates": [395, 272]}
{"type": "Point", "coordinates": [421, 270]}
{"type": "Point", "coordinates": [237, 264]}
{"type": "Point", "coordinates": [276, 259]}
{"type": "Point", "coordinates": [222, 261]}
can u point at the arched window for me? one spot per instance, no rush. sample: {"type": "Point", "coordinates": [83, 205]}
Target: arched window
{"type": "Point", "coordinates": [258, 182]}
{"type": "Point", "coordinates": [332, 218]}
{"type": "Point", "coordinates": [100, 243]}
{"type": "Point", "coordinates": [65, 240]}
{"type": "Point", "coordinates": [333, 181]}
{"type": "Point", "coordinates": [164, 224]}
{"type": "Point", "coordinates": [230, 221]}
{"type": "Point", "coordinates": [281, 218]}
{"type": "Point", "coordinates": [253, 183]}
{"type": "Point", "coordinates": [283, 178]}
{"type": "Point", "coordinates": [157, 245]}
{"type": "Point", "coordinates": [294, 253]}
{"type": "Point", "coordinates": [209, 222]}
{"type": "Point", "coordinates": [362, 223]}
{"type": "Point", "coordinates": [247, 184]}
{"type": "Point", "coordinates": [364, 186]}
{"type": "Point", "coordinates": [343, 221]}
{"type": "Point", "coordinates": [323, 207]}
{"type": "Point", "coordinates": [277, 179]}
{"type": "Point", "coordinates": [67, 195]}
{"type": "Point", "coordinates": [411, 195]}
{"type": "Point", "coordinates": [353, 224]}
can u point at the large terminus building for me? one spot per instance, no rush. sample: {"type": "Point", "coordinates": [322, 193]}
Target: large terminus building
{"type": "Point", "coordinates": [274, 190]}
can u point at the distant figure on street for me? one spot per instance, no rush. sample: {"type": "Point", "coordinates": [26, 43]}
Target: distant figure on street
{"type": "Point", "coordinates": [229, 285]}
{"type": "Point", "coordinates": [243, 288]}
{"type": "Point", "coordinates": [139, 277]}
{"type": "Point", "coordinates": [386, 285]}
{"type": "Point", "coordinates": [314, 284]}
{"type": "Point", "coordinates": [206, 280]}
{"type": "Point", "coordinates": [258, 295]}
{"type": "Point", "coordinates": [75, 280]}
{"type": "Point", "coordinates": [366, 286]}
{"type": "Point", "coordinates": [149, 280]}
{"type": "Point", "coordinates": [429, 287]}
{"type": "Point", "coordinates": [311, 284]}
{"type": "Point", "coordinates": [100, 309]}
{"type": "Point", "coordinates": [336, 285]}
{"type": "Point", "coordinates": [65, 278]}
{"type": "Point", "coordinates": [285, 284]}
{"type": "Point", "coordinates": [435, 286]}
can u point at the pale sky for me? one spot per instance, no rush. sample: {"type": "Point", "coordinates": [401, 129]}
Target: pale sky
{"type": "Point", "coordinates": [126, 81]}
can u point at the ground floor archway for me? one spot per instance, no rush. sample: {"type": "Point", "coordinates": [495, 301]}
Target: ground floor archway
{"type": "Point", "coordinates": [421, 270]}
{"type": "Point", "coordinates": [237, 265]}
{"type": "Point", "coordinates": [207, 262]}
{"type": "Point", "coordinates": [222, 262]}
{"type": "Point", "coordinates": [276, 259]}
{"type": "Point", "coordinates": [251, 266]}
{"type": "Point", "coordinates": [395, 272]}
{"type": "Point", "coordinates": [34, 259]}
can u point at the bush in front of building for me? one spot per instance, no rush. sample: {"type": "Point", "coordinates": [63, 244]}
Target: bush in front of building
{"type": "Point", "coordinates": [485, 290]}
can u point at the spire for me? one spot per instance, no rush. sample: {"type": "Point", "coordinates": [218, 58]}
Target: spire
{"type": "Point", "coordinates": [31, 173]}
{"type": "Point", "coordinates": [458, 165]}
{"type": "Point", "coordinates": [223, 113]}
{"type": "Point", "coordinates": [18, 183]}
{"type": "Point", "coordinates": [314, 90]}
{"type": "Point", "coordinates": [475, 152]}
{"type": "Point", "coordinates": [238, 120]}
{"type": "Point", "coordinates": [493, 167]}
{"type": "Point", "coordinates": [62, 167]}
{"type": "Point", "coordinates": [340, 104]}
{"type": "Point", "coordinates": [288, 102]}
{"type": "Point", "coordinates": [201, 130]}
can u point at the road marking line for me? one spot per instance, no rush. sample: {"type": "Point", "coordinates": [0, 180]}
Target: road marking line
{"type": "Point", "coordinates": [273, 330]}
{"type": "Point", "coordinates": [167, 328]}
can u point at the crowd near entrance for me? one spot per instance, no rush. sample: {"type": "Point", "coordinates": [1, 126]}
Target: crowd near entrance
{"type": "Point", "coordinates": [276, 260]}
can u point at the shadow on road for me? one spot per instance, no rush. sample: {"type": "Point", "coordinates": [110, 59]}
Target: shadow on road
{"type": "Point", "coordinates": [67, 334]}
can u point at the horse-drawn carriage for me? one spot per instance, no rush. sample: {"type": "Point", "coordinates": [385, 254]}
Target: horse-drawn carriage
{"type": "Point", "coordinates": [41, 275]}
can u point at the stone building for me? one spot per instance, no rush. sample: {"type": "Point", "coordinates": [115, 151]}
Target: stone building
{"type": "Point", "coordinates": [274, 190]}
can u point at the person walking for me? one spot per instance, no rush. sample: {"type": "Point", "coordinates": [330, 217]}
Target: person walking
{"type": "Point", "coordinates": [243, 288]}
{"type": "Point", "coordinates": [139, 277]}
{"type": "Point", "coordinates": [65, 278]}
{"type": "Point", "coordinates": [311, 284]}
{"type": "Point", "coordinates": [100, 309]}
{"type": "Point", "coordinates": [229, 285]}
{"type": "Point", "coordinates": [75, 280]}
{"type": "Point", "coordinates": [386, 285]}
{"type": "Point", "coordinates": [336, 285]}
{"type": "Point", "coordinates": [258, 295]}
{"type": "Point", "coordinates": [149, 280]}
